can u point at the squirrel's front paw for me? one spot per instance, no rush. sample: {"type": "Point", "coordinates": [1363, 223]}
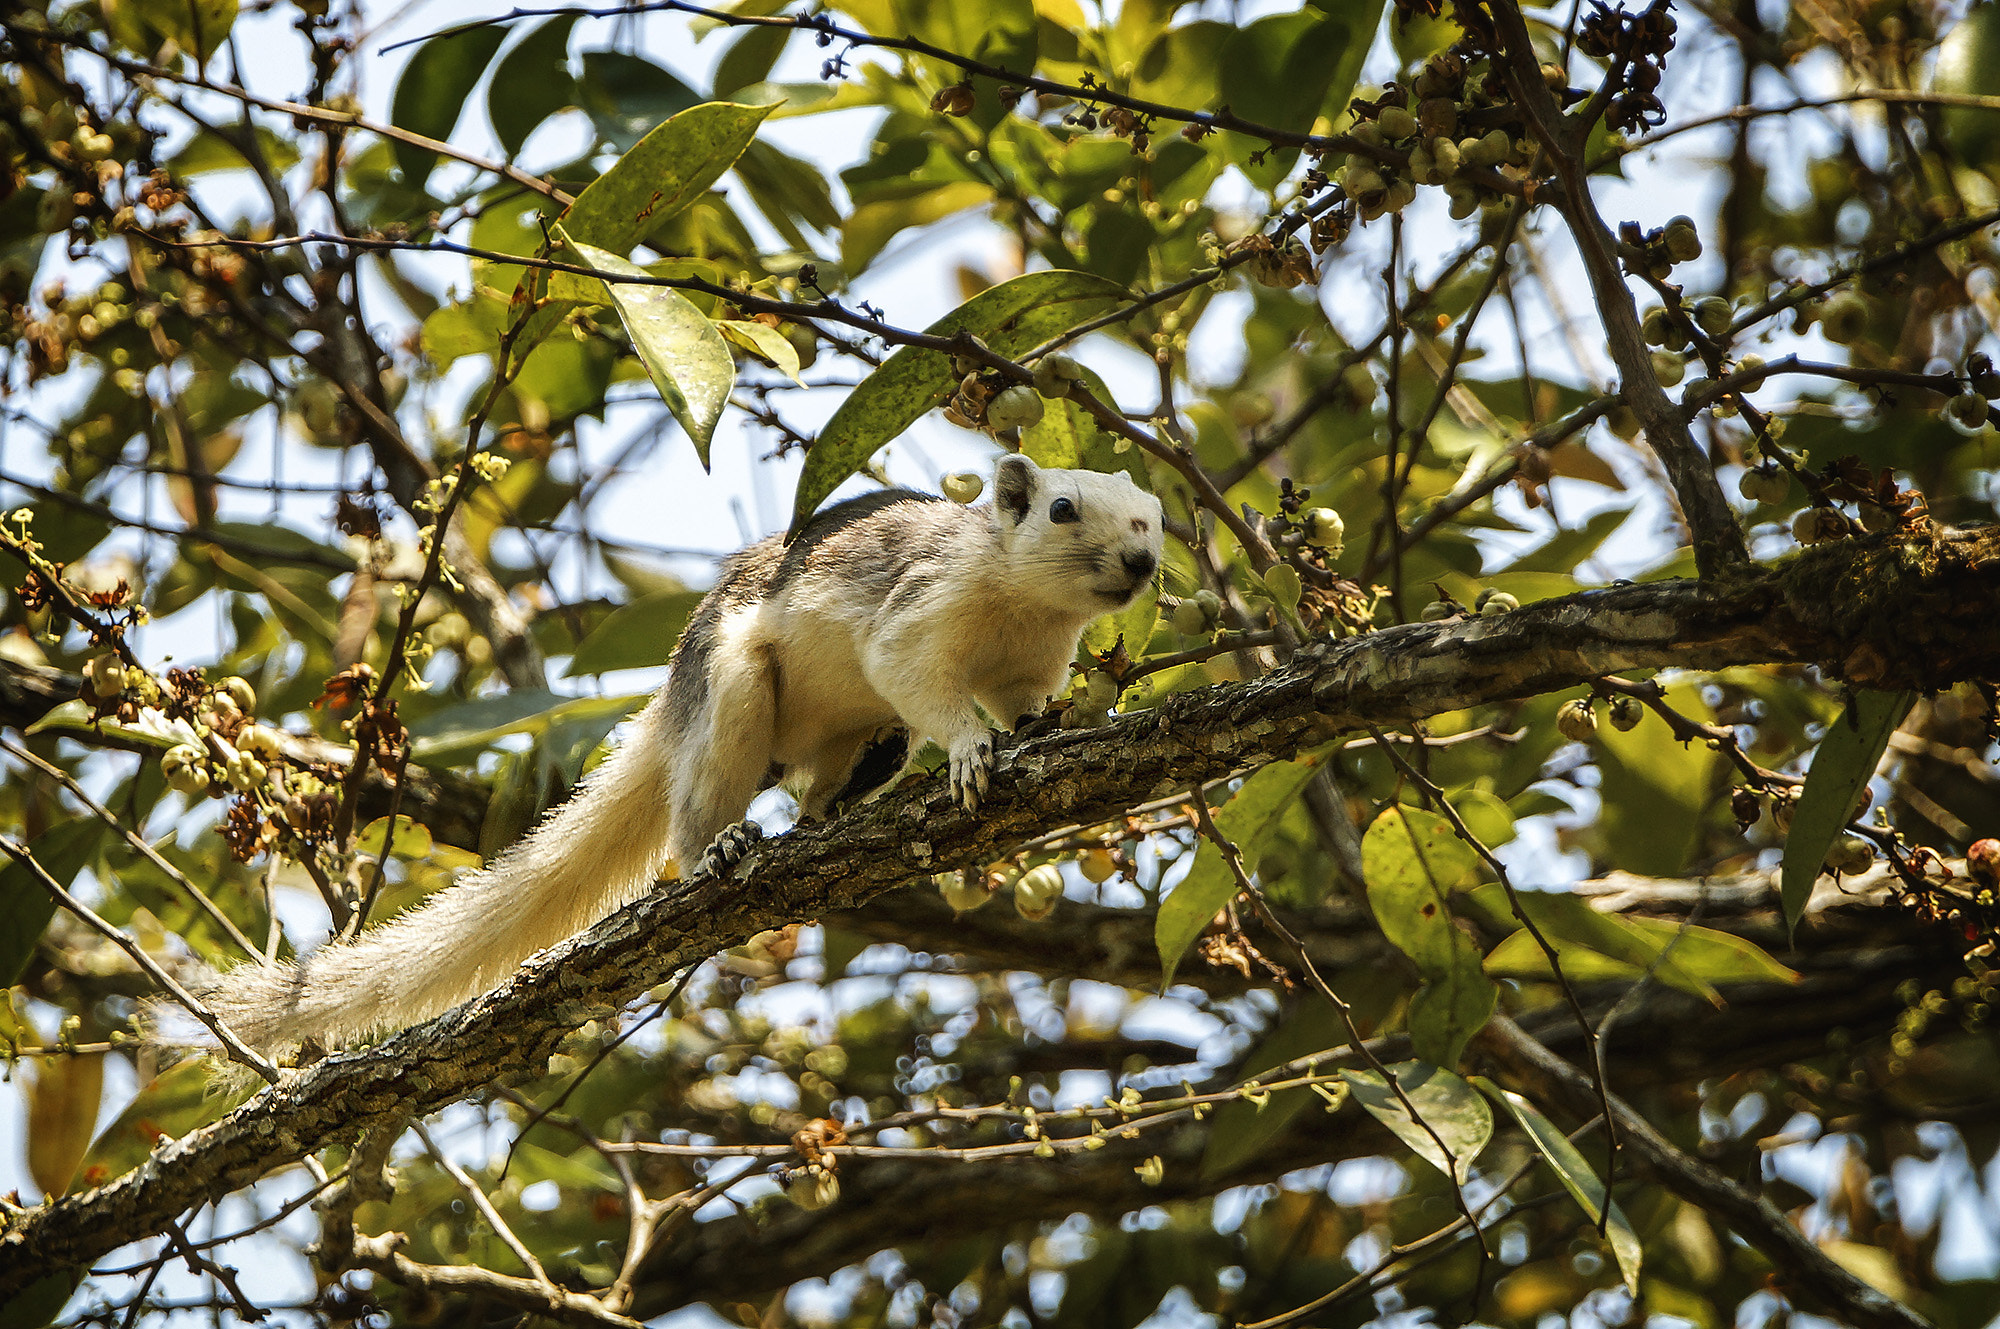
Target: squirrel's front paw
{"type": "Point", "coordinates": [728, 848]}
{"type": "Point", "coordinates": [972, 764]}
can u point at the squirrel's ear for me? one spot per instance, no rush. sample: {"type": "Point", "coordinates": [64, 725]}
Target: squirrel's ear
{"type": "Point", "coordinates": [1014, 487]}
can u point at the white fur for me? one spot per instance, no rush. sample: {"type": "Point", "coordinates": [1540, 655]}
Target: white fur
{"type": "Point", "coordinates": [906, 617]}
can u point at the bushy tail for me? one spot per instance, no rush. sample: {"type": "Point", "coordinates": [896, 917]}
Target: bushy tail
{"type": "Point", "coordinates": [599, 850]}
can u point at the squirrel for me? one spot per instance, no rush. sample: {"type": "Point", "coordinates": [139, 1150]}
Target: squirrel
{"type": "Point", "coordinates": [818, 665]}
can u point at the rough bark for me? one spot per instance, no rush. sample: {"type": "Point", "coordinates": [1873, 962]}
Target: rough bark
{"type": "Point", "coordinates": [1895, 613]}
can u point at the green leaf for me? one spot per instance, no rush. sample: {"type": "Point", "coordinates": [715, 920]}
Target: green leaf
{"type": "Point", "coordinates": [25, 904]}
{"type": "Point", "coordinates": [1655, 790]}
{"type": "Point", "coordinates": [1247, 821]}
{"type": "Point", "coordinates": [63, 1101]}
{"type": "Point", "coordinates": [413, 838]}
{"type": "Point", "coordinates": [1282, 70]}
{"type": "Point", "coordinates": [1069, 438]}
{"type": "Point", "coordinates": [1841, 769]}
{"type": "Point", "coordinates": [626, 96]}
{"type": "Point", "coordinates": [584, 1169]}
{"type": "Point", "coordinates": [873, 224]}
{"type": "Point", "coordinates": [41, 1301]}
{"type": "Point", "coordinates": [1243, 1129]}
{"type": "Point", "coordinates": [1011, 318]}
{"type": "Point", "coordinates": [1444, 1102]}
{"type": "Point", "coordinates": [180, 1100]}
{"type": "Point", "coordinates": [198, 27]}
{"type": "Point", "coordinates": [460, 733]}
{"type": "Point", "coordinates": [684, 355]}
{"type": "Point", "coordinates": [1696, 958]}
{"type": "Point", "coordinates": [1412, 861]}
{"type": "Point", "coordinates": [761, 339]}
{"type": "Point", "coordinates": [434, 89]}
{"type": "Point", "coordinates": [531, 83]}
{"type": "Point", "coordinates": [662, 174]}
{"type": "Point", "coordinates": [1576, 1175]}
{"type": "Point", "coordinates": [639, 635]}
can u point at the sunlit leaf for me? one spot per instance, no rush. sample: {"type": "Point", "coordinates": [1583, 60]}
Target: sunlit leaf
{"type": "Point", "coordinates": [1655, 789]}
{"type": "Point", "coordinates": [1576, 1175]}
{"type": "Point", "coordinates": [179, 1100]}
{"type": "Point", "coordinates": [412, 838]}
{"type": "Point", "coordinates": [638, 635]}
{"type": "Point", "coordinates": [459, 733]}
{"type": "Point", "coordinates": [1413, 861]}
{"type": "Point", "coordinates": [1246, 820]}
{"type": "Point", "coordinates": [62, 1113]}
{"type": "Point", "coordinates": [1841, 769]}
{"type": "Point", "coordinates": [1448, 1112]}
{"type": "Point", "coordinates": [1011, 318]}
{"type": "Point", "coordinates": [684, 354]}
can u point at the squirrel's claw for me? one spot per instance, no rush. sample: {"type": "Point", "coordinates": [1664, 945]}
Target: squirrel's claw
{"type": "Point", "coordinates": [728, 848]}
{"type": "Point", "coordinates": [972, 763]}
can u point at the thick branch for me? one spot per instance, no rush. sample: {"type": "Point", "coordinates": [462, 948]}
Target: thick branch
{"type": "Point", "coordinates": [1718, 538]}
{"type": "Point", "coordinates": [1893, 613]}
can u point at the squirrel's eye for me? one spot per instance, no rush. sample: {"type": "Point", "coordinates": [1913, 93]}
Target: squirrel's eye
{"type": "Point", "coordinates": [1063, 510]}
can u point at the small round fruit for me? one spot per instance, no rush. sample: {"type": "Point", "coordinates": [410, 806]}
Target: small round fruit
{"type": "Point", "coordinates": [1850, 855]}
{"type": "Point", "coordinates": [1036, 893]}
{"type": "Point", "coordinates": [1397, 122]}
{"type": "Point", "coordinates": [1190, 620]}
{"type": "Point", "coordinates": [1325, 528]}
{"type": "Point", "coordinates": [259, 742]}
{"type": "Point", "coordinates": [1437, 611]}
{"type": "Point", "coordinates": [1966, 412]}
{"type": "Point", "coordinates": [1097, 865]}
{"type": "Point", "coordinates": [1682, 240]}
{"type": "Point", "coordinates": [1576, 721]}
{"type": "Point", "coordinates": [1100, 690]}
{"type": "Point", "coordinates": [963, 891]}
{"type": "Point", "coordinates": [1491, 602]}
{"type": "Point", "coordinates": [1016, 407]}
{"type": "Point", "coordinates": [962, 486]}
{"type": "Point", "coordinates": [1626, 713]}
{"type": "Point", "coordinates": [1764, 484]}
{"type": "Point", "coordinates": [1711, 315]}
{"type": "Point", "coordinates": [1655, 327]}
{"type": "Point", "coordinates": [238, 690]}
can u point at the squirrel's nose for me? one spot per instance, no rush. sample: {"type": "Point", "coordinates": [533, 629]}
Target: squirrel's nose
{"type": "Point", "coordinates": [1141, 565]}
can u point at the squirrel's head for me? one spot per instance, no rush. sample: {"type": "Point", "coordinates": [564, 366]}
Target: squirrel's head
{"type": "Point", "coordinates": [1087, 541]}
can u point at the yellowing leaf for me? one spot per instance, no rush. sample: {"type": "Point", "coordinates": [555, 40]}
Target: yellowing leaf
{"type": "Point", "coordinates": [62, 1113]}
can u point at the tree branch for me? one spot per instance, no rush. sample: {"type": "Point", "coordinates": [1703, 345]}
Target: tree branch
{"type": "Point", "coordinates": [1908, 612]}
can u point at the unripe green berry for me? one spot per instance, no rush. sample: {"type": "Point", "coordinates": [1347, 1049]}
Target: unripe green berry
{"type": "Point", "coordinates": [1325, 528]}
{"type": "Point", "coordinates": [962, 486]}
{"type": "Point", "coordinates": [1711, 315]}
{"type": "Point", "coordinates": [1966, 412]}
{"type": "Point", "coordinates": [963, 891]}
{"type": "Point", "coordinates": [1576, 721]}
{"type": "Point", "coordinates": [1626, 713]}
{"type": "Point", "coordinates": [1492, 602]}
{"type": "Point", "coordinates": [1397, 122]}
{"type": "Point", "coordinates": [1036, 893]}
{"type": "Point", "coordinates": [1016, 407]}
{"type": "Point", "coordinates": [1189, 620]}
